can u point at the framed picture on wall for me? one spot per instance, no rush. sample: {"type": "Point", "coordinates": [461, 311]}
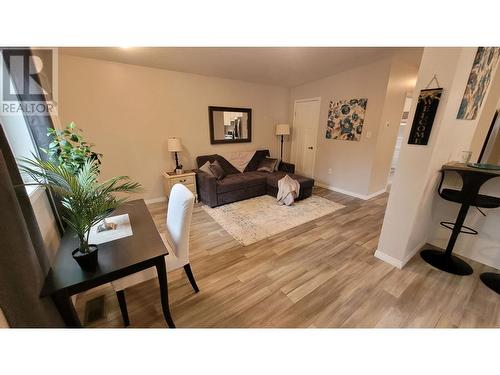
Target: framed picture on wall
{"type": "Point", "coordinates": [484, 66]}
{"type": "Point", "coordinates": [345, 119]}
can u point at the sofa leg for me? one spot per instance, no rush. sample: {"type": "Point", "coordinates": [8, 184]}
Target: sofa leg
{"type": "Point", "coordinates": [189, 273]}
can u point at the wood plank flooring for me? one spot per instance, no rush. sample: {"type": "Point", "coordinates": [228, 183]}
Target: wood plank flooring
{"type": "Point", "coordinates": [320, 274]}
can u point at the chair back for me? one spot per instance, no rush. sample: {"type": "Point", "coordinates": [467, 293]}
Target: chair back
{"type": "Point", "coordinates": [3, 320]}
{"type": "Point", "coordinates": [179, 214]}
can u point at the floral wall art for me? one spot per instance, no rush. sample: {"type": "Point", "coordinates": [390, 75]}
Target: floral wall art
{"type": "Point", "coordinates": [345, 119]}
{"type": "Point", "coordinates": [483, 67]}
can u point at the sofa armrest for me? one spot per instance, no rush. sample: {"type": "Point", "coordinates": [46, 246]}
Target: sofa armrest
{"type": "Point", "coordinates": [206, 184]}
{"type": "Point", "coordinates": [286, 167]}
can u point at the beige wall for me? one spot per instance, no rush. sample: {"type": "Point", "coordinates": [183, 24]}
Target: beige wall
{"type": "Point", "coordinates": [355, 164]}
{"type": "Point", "coordinates": [349, 161]}
{"type": "Point", "coordinates": [129, 112]}
{"type": "Point", "coordinates": [402, 80]}
{"type": "Point", "coordinates": [414, 209]}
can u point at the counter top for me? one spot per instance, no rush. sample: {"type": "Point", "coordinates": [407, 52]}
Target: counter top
{"type": "Point", "coordinates": [456, 166]}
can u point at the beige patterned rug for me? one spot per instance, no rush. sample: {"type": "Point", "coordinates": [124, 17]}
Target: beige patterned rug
{"type": "Point", "coordinates": [254, 219]}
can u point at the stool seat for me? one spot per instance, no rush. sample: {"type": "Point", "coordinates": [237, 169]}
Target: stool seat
{"type": "Point", "coordinates": [480, 200]}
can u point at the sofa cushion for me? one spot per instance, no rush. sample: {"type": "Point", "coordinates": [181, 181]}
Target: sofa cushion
{"type": "Point", "coordinates": [255, 178]}
{"type": "Point", "coordinates": [241, 194]}
{"type": "Point", "coordinates": [267, 165]}
{"type": "Point", "coordinates": [277, 165]}
{"type": "Point", "coordinates": [230, 183]}
{"type": "Point", "coordinates": [253, 164]}
{"type": "Point", "coordinates": [226, 166]}
{"type": "Point", "coordinates": [206, 168]}
{"type": "Point", "coordinates": [217, 170]}
{"type": "Point", "coordinates": [273, 178]}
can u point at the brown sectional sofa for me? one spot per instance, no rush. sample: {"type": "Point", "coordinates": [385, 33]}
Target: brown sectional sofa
{"type": "Point", "coordinates": [237, 186]}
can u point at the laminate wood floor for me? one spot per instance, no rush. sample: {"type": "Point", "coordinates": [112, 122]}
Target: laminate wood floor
{"type": "Point", "coordinates": [320, 274]}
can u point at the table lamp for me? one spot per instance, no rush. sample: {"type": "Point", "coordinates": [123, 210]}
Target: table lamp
{"type": "Point", "coordinates": [174, 145]}
{"type": "Point", "coordinates": [282, 129]}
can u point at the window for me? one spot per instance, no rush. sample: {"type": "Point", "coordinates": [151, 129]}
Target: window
{"type": "Point", "coordinates": [19, 137]}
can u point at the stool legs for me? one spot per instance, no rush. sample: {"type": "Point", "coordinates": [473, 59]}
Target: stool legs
{"type": "Point", "coordinates": [445, 261]}
{"type": "Point", "coordinates": [491, 280]}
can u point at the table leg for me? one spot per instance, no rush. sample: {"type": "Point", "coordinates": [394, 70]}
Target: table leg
{"type": "Point", "coordinates": [445, 261]}
{"type": "Point", "coordinates": [122, 301]}
{"type": "Point", "coordinates": [64, 305]}
{"type": "Point", "coordinates": [162, 278]}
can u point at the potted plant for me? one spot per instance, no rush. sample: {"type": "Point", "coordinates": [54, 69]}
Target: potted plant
{"type": "Point", "coordinates": [85, 200]}
{"type": "Point", "coordinates": [69, 148]}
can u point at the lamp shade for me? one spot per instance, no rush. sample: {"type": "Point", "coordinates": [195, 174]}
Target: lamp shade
{"type": "Point", "coordinates": [282, 129]}
{"type": "Point", "coordinates": [174, 145]}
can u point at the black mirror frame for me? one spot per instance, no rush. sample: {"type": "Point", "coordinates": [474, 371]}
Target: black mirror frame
{"type": "Point", "coordinates": [214, 141]}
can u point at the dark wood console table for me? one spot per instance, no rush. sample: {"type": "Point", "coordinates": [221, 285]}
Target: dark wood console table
{"type": "Point", "coordinates": [118, 258]}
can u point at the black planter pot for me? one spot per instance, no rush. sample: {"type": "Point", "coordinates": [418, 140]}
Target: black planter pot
{"type": "Point", "coordinates": [87, 262]}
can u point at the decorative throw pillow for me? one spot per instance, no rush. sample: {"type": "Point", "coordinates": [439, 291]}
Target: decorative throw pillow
{"type": "Point", "coordinates": [267, 165]}
{"type": "Point", "coordinates": [206, 168]}
{"type": "Point", "coordinates": [278, 161]}
{"type": "Point", "coordinates": [217, 170]}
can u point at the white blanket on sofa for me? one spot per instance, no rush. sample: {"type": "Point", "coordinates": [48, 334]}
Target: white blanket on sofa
{"type": "Point", "coordinates": [239, 159]}
{"type": "Point", "coordinates": [288, 190]}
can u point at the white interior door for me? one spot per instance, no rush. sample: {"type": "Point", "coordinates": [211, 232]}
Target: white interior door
{"type": "Point", "coordinates": [304, 136]}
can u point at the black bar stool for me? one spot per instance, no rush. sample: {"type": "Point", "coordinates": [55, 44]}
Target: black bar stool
{"type": "Point", "coordinates": [491, 280]}
{"type": "Point", "coordinates": [472, 180]}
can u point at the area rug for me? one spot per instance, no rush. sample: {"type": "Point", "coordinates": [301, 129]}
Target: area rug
{"type": "Point", "coordinates": [254, 219]}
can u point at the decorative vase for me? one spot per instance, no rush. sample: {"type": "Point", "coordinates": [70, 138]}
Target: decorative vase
{"type": "Point", "coordinates": [86, 261]}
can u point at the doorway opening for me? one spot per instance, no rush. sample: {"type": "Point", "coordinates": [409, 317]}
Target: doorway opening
{"type": "Point", "coordinates": [399, 139]}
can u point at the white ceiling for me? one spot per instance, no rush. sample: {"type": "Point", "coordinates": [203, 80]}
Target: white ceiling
{"type": "Point", "coordinates": [281, 66]}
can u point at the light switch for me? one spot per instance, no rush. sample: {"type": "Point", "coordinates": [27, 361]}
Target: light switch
{"type": "Point", "coordinates": [368, 134]}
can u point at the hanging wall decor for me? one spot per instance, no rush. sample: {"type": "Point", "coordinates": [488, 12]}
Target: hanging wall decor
{"type": "Point", "coordinates": [427, 105]}
{"type": "Point", "coordinates": [484, 65]}
{"type": "Point", "coordinates": [345, 119]}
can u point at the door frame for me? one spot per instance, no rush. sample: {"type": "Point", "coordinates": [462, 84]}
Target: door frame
{"type": "Point", "coordinates": [314, 99]}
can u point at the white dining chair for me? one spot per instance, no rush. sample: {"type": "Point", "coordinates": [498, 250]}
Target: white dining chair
{"type": "Point", "coordinates": [3, 320]}
{"type": "Point", "coordinates": [176, 239]}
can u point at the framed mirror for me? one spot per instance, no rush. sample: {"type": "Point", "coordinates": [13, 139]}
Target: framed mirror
{"type": "Point", "coordinates": [230, 125]}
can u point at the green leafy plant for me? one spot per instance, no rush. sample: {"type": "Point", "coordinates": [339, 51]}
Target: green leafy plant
{"type": "Point", "coordinates": [68, 148]}
{"type": "Point", "coordinates": [85, 200]}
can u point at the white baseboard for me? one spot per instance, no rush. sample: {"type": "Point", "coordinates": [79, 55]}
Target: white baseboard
{"type": "Point", "coordinates": [397, 262]}
{"type": "Point", "coordinates": [373, 195]}
{"type": "Point", "coordinates": [388, 259]}
{"type": "Point", "coordinates": [155, 200]}
{"type": "Point", "coordinates": [412, 253]}
{"type": "Point", "coordinates": [352, 194]}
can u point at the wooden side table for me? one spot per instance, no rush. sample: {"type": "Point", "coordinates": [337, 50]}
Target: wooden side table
{"type": "Point", "coordinates": [188, 179]}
